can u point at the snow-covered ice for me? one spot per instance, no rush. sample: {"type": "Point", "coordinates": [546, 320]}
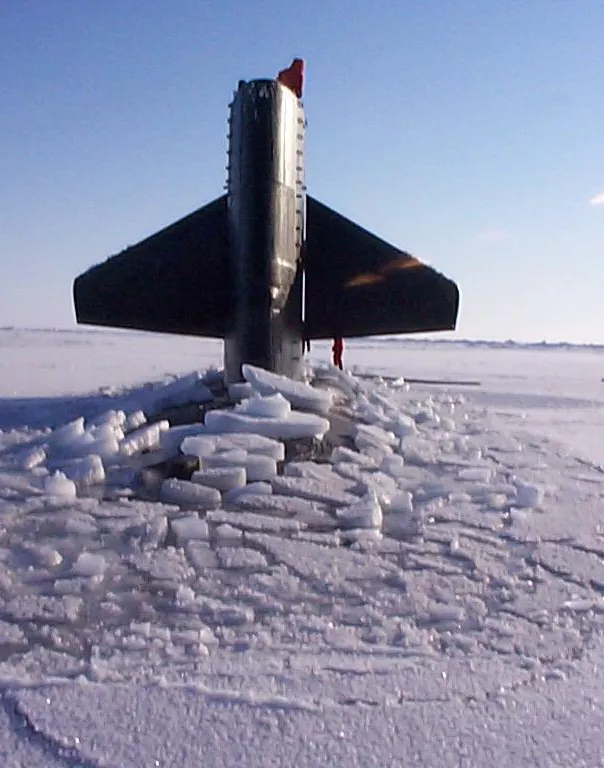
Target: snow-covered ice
{"type": "Point", "coordinates": [423, 586]}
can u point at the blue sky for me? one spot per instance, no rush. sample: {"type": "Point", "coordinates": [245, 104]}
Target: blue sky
{"type": "Point", "coordinates": [468, 133]}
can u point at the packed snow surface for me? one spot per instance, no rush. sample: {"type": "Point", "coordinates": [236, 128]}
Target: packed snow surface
{"type": "Point", "coordinates": [421, 582]}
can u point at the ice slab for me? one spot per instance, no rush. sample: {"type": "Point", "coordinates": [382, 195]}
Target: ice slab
{"type": "Point", "coordinates": [365, 513]}
{"type": "Point", "coordinates": [260, 468]}
{"type": "Point", "coordinates": [190, 528]}
{"type": "Point", "coordinates": [259, 488]}
{"type": "Point", "coordinates": [257, 444]}
{"type": "Point", "coordinates": [67, 433]}
{"type": "Point", "coordinates": [88, 470]}
{"type": "Point", "coordinates": [134, 420]}
{"type": "Point", "coordinates": [239, 390]}
{"type": "Point", "coordinates": [372, 436]}
{"type": "Point", "coordinates": [276, 504]}
{"type": "Point", "coordinates": [321, 491]}
{"type": "Point", "coordinates": [341, 454]}
{"type": "Point", "coordinates": [295, 426]}
{"type": "Point", "coordinates": [221, 478]}
{"type": "Point", "coordinates": [206, 444]}
{"type": "Point", "coordinates": [58, 484]}
{"type": "Point", "coordinates": [274, 406]}
{"type": "Point", "coordinates": [257, 468]}
{"type": "Point", "coordinates": [233, 458]}
{"type": "Point", "coordinates": [187, 494]}
{"type": "Point", "coordinates": [144, 438]}
{"type": "Point", "coordinates": [528, 495]}
{"type": "Point", "coordinates": [299, 394]}
{"type": "Point", "coordinates": [198, 445]}
{"type": "Point", "coordinates": [251, 521]}
{"type": "Point", "coordinates": [89, 564]}
{"type": "Point", "coordinates": [34, 458]}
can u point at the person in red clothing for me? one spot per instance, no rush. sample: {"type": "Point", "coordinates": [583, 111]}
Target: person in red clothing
{"type": "Point", "coordinates": [338, 349]}
{"type": "Point", "coordinates": [293, 77]}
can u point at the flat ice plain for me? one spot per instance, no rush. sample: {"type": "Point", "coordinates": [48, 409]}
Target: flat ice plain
{"type": "Point", "coordinates": [431, 596]}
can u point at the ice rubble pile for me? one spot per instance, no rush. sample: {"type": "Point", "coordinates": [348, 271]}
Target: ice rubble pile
{"type": "Point", "coordinates": [365, 488]}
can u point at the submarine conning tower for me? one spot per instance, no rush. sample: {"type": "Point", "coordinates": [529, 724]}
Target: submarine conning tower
{"type": "Point", "coordinates": [266, 211]}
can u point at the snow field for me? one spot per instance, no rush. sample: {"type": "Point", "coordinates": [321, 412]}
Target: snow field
{"type": "Point", "coordinates": [439, 562]}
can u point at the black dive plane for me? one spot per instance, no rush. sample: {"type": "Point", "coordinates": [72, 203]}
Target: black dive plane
{"type": "Point", "coordinates": [266, 267]}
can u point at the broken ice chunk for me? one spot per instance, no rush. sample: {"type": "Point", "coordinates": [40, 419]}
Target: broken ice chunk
{"type": "Point", "coordinates": [366, 513]}
{"type": "Point", "coordinates": [372, 436]}
{"type": "Point", "coordinates": [58, 484]}
{"type": "Point", "coordinates": [251, 443]}
{"type": "Point", "coordinates": [393, 465]}
{"type": "Point", "coordinates": [144, 438]}
{"type": "Point", "coordinates": [111, 418]}
{"type": "Point", "coordinates": [260, 468]}
{"type": "Point", "coordinates": [296, 425]}
{"type": "Point", "coordinates": [34, 457]}
{"type": "Point", "coordinates": [299, 394]}
{"type": "Point", "coordinates": [313, 490]}
{"type": "Point", "coordinates": [221, 478]}
{"type": "Point", "coordinates": [342, 454]}
{"type": "Point", "coordinates": [190, 529]}
{"type": "Point", "coordinates": [528, 495]}
{"type": "Point", "coordinates": [88, 470]}
{"type": "Point", "coordinates": [403, 426]}
{"type": "Point", "coordinates": [68, 432]}
{"type": "Point", "coordinates": [233, 458]}
{"type": "Point", "coordinates": [275, 406]}
{"type": "Point", "coordinates": [257, 488]}
{"type": "Point", "coordinates": [187, 494]}
{"type": "Point", "coordinates": [402, 502]}
{"type": "Point", "coordinates": [89, 564]}
{"type": "Point", "coordinates": [477, 474]}
{"type": "Point", "coordinates": [198, 445]}
{"type": "Point", "coordinates": [240, 389]}
{"type": "Point", "coordinates": [135, 420]}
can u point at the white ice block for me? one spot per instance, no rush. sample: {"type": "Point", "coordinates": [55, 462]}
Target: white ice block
{"type": "Point", "coordinates": [234, 458]}
{"type": "Point", "coordinates": [221, 478]}
{"type": "Point", "coordinates": [105, 447]}
{"type": "Point", "coordinates": [477, 474]}
{"type": "Point", "coordinates": [365, 513]}
{"type": "Point", "coordinates": [34, 457]}
{"type": "Point", "coordinates": [89, 564]}
{"type": "Point", "coordinates": [88, 470]}
{"type": "Point", "coordinates": [256, 444]}
{"type": "Point", "coordinates": [257, 488]}
{"type": "Point", "coordinates": [313, 490]}
{"type": "Point", "coordinates": [134, 420]}
{"type": "Point", "coordinates": [143, 439]}
{"type": "Point", "coordinates": [403, 425]}
{"type": "Point", "coordinates": [342, 454]}
{"type": "Point", "coordinates": [112, 418]}
{"type": "Point", "coordinates": [393, 465]}
{"type": "Point", "coordinates": [172, 438]}
{"type": "Point", "coordinates": [67, 433]}
{"type": "Point", "coordinates": [528, 495]}
{"type": "Point", "coordinates": [299, 394]}
{"type": "Point", "coordinates": [190, 528]}
{"type": "Point", "coordinates": [260, 468]}
{"type": "Point", "coordinates": [198, 445]}
{"type": "Point", "coordinates": [275, 406]}
{"type": "Point", "coordinates": [238, 390]}
{"type": "Point", "coordinates": [187, 494]}
{"type": "Point", "coordinates": [58, 484]}
{"type": "Point", "coordinates": [402, 502]}
{"type": "Point", "coordinates": [296, 425]}
{"type": "Point", "coordinates": [372, 436]}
